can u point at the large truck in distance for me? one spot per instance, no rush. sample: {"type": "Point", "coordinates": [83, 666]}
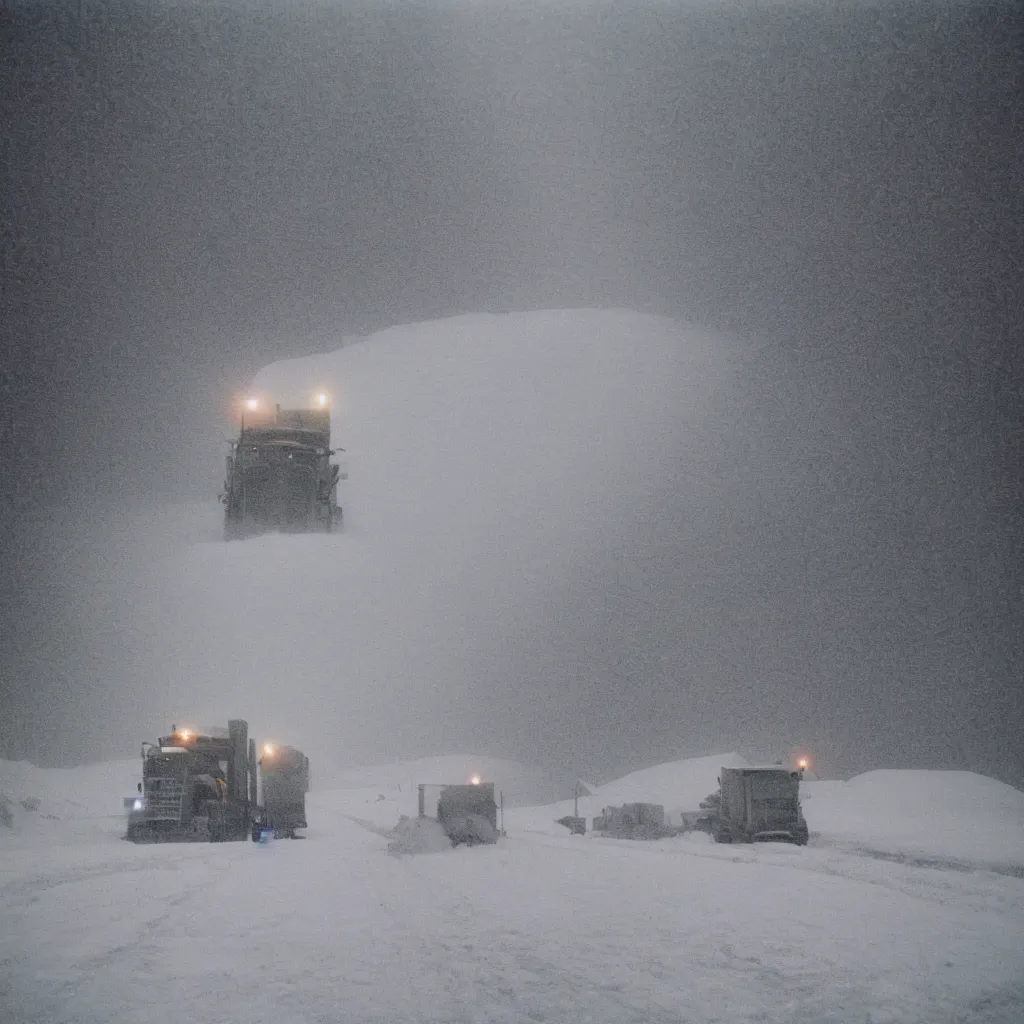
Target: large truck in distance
{"type": "Point", "coordinates": [196, 787]}
{"type": "Point", "coordinates": [757, 805]}
{"type": "Point", "coordinates": [468, 814]}
{"type": "Point", "coordinates": [280, 477]}
{"type": "Point", "coordinates": [284, 780]}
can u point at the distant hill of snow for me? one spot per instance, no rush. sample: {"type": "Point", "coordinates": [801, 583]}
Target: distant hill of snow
{"type": "Point", "coordinates": [677, 785]}
{"type": "Point", "coordinates": [491, 460]}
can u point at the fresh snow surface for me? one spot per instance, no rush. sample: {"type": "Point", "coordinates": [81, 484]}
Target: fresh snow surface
{"type": "Point", "coordinates": [541, 927]}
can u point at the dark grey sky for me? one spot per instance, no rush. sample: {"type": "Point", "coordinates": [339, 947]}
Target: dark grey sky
{"type": "Point", "coordinates": [196, 190]}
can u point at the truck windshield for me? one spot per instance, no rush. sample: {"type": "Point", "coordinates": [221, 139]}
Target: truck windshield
{"type": "Point", "coordinates": [772, 786]}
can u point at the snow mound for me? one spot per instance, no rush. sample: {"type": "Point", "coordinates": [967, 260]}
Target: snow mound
{"type": "Point", "coordinates": [86, 801]}
{"type": "Point", "coordinates": [677, 785]}
{"type": "Point", "coordinates": [942, 815]}
{"type": "Point", "coordinates": [88, 791]}
{"type": "Point", "coordinates": [418, 835]}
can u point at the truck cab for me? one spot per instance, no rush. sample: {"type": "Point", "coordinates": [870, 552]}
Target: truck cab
{"type": "Point", "coordinates": [279, 477]}
{"type": "Point", "coordinates": [196, 787]}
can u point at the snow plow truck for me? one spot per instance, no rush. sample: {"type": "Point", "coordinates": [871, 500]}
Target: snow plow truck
{"type": "Point", "coordinates": [279, 475]}
{"type": "Point", "coordinates": [196, 787]}
{"type": "Point", "coordinates": [468, 814]}
{"type": "Point", "coordinates": [755, 805]}
{"type": "Point", "coordinates": [208, 786]}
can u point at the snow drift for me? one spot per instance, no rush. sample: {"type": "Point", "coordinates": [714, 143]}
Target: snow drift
{"type": "Point", "coordinates": [490, 459]}
{"type": "Point", "coordinates": [953, 816]}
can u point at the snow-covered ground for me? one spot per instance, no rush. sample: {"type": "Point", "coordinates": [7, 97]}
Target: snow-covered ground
{"type": "Point", "coordinates": [543, 927]}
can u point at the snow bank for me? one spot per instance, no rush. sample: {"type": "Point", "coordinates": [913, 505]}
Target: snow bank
{"type": "Point", "coordinates": [954, 816]}
{"type": "Point", "coordinates": [48, 805]}
{"type": "Point", "coordinates": [418, 835]}
{"type": "Point", "coordinates": [677, 785]}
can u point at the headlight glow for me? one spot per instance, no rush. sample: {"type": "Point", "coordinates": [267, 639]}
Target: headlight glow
{"type": "Point", "coordinates": [474, 780]}
{"type": "Point", "coordinates": [268, 749]}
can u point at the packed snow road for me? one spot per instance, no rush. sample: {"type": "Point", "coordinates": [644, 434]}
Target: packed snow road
{"type": "Point", "coordinates": [540, 928]}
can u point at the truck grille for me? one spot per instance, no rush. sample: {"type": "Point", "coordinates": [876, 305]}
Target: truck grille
{"type": "Point", "coordinates": [164, 797]}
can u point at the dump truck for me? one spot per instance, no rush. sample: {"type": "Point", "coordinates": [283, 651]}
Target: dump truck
{"type": "Point", "coordinates": [279, 475]}
{"type": "Point", "coordinates": [197, 786]}
{"type": "Point", "coordinates": [756, 804]}
{"type": "Point", "coordinates": [284, 782]}
{"type": "Point", "coordinates": [468, 814]}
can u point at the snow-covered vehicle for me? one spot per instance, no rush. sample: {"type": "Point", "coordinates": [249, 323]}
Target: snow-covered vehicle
{"type": "Point", "coordinates": [280, 477]}
{"type": "Point", "coordinates": [468, 814]}
{"type": "Point", "coordinates": [757, 804]}
{"type": "Point", "coordinates": [634, 821]}
{"type": "Point", "coordinates": [196, 787]}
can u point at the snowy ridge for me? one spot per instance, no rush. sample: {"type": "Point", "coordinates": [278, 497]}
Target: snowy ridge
{"type": "Point", "coordinates": [490, 459]}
